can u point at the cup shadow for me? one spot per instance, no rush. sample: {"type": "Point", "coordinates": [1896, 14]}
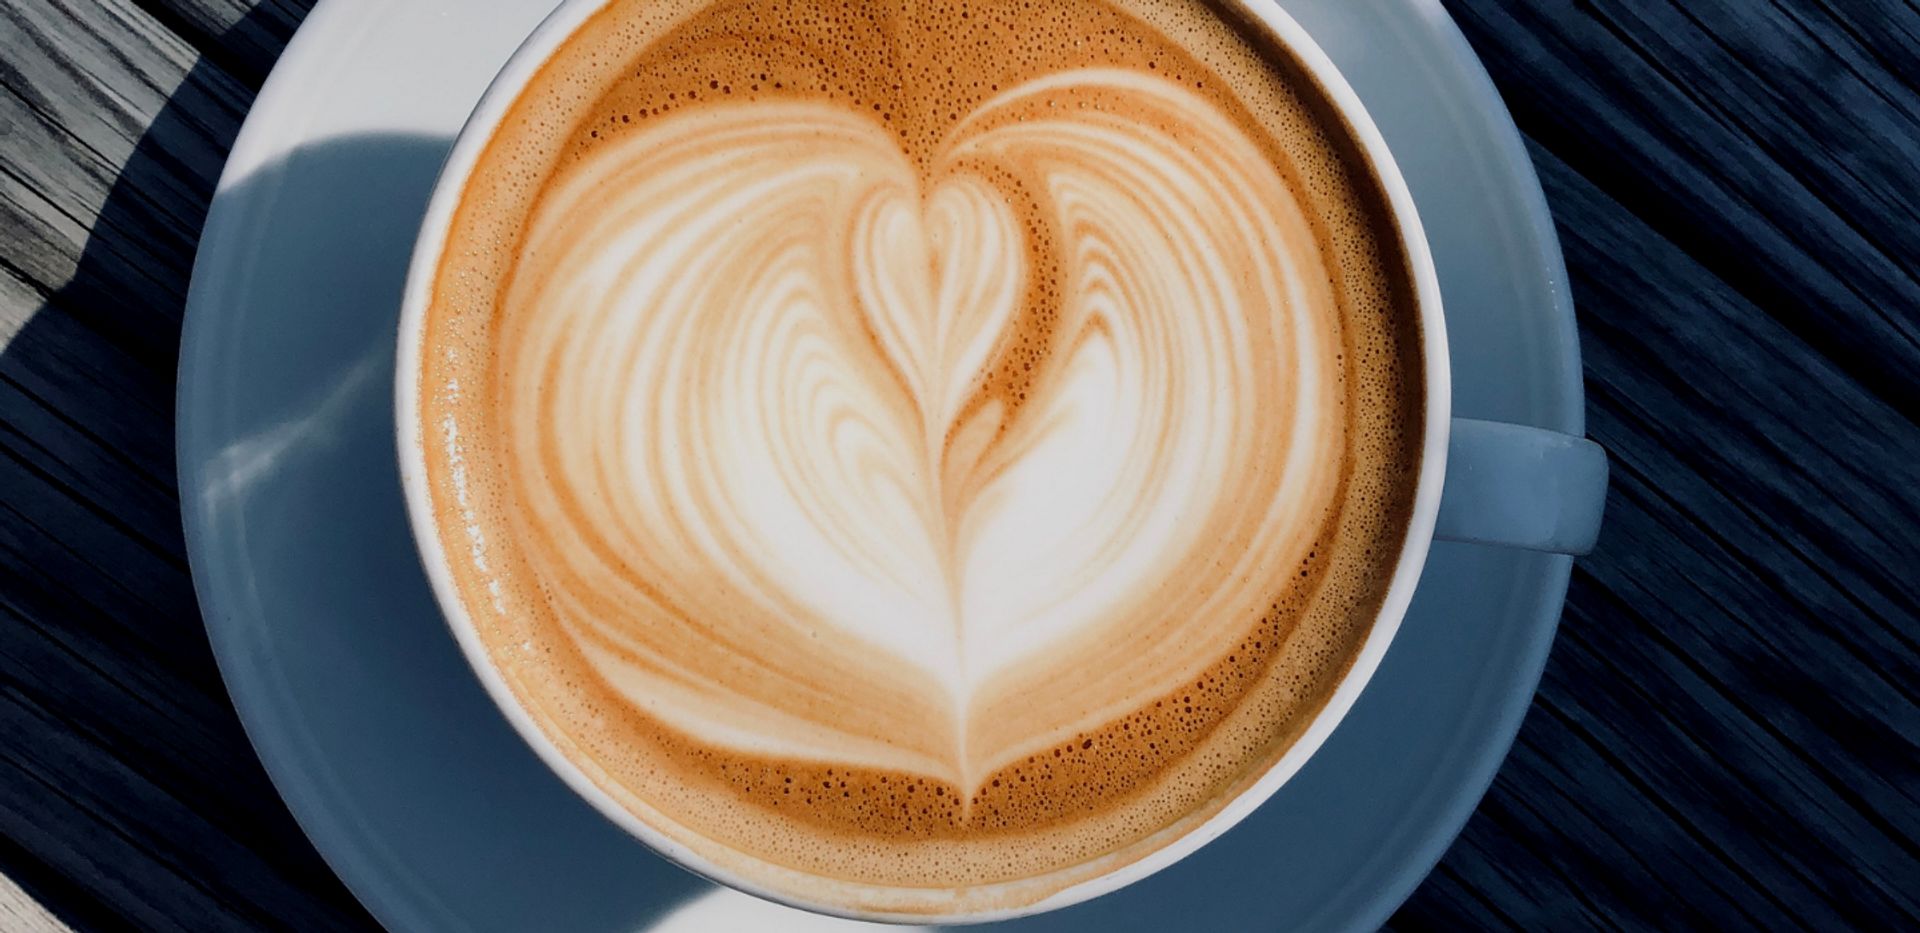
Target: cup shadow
{"type": "Point", "coordinates": [426, 798]}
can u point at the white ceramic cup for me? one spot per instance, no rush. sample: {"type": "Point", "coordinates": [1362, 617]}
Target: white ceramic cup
{"type": "Point", "coordinates": [1511, 485]}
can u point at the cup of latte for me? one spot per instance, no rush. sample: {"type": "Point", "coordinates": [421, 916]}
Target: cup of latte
{"type": "Point", "coordinates": [935, 461]}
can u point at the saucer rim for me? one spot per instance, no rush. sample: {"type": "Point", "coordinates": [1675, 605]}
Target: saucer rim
{"type": "Point", "coordinates": [263, 143]}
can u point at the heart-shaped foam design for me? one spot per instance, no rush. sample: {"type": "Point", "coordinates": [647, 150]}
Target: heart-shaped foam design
{"type": "Point", "coordinates": [825, 453]}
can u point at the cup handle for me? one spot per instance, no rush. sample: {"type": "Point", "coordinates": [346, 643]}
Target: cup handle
{"type": "Point", "coordinates": [1521, 487]}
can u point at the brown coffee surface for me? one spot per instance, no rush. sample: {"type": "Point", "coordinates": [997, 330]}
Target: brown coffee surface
{"type": "Point", "coordinates": [922, 455]}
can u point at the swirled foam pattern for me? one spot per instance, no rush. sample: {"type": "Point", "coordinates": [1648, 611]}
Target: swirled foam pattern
{"type": "Point", "coordinates": [921, 454]}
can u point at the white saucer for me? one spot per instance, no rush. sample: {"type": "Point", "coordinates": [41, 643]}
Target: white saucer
{"type": "Point", "coordinates": [406, 777]}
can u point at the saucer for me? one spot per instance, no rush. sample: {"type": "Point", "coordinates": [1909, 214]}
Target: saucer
{"type": "Point", "coordinates": [404, 774]}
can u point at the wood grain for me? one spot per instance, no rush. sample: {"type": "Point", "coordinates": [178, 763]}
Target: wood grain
{"type": "Point", "coordinates": [20, 913]}
{"type": "Point", "coordinates": [128, 794]}
{"type": "Point", "coordinates": [1726, 733]}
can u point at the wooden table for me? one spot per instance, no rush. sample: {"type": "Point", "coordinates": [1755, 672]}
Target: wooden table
{"type": "Point", "coordinates": [1726, 734]}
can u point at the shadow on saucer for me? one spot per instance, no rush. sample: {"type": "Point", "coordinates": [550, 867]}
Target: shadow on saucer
{"type": "Point", "coordinates": [433, 808]}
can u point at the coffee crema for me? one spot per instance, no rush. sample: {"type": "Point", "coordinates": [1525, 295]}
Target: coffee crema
{"type": "Point", "coordinates": [920, 456]}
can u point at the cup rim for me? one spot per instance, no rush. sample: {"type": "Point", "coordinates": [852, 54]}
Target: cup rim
{"type": "Point", "coordinates": [450, 185]}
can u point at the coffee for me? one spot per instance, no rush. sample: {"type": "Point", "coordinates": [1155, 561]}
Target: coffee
{"type": "Point", "coordinates": [920, 456]}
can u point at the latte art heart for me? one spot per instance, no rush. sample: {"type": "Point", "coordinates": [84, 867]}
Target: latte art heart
{"type": "Point", "coordinates": [920, 455]}
{"type": "Point", "coordinates": [781, 405]}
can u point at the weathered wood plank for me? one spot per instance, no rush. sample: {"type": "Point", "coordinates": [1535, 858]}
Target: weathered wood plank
{"type": "Point", "coordinates": [61, 186]}
{"type": "Point", "coordinates": [1458, 903]}
{"type": "Point", "coordinates": [36, 246]}
{"type": "Point", "coordinates": [1622, 116]}
{"type": "Point", "coordinates": [114, 817]}
{"type": "Point", "coordinates": [242, 38]}
{"type": "Point", "coordinates": [126, 711]}
{"type": "Point", "coordinates": [153, 714]}
{"type": "Point", "coordinates": [43, 245]}
{"type": "Point", "coordinates": [129, 796]}
{"type": "Point", "coordinates": [21, 913]}
{"type": "Point", "coordinates": [81, 125]}
{"type": "Point", "coordinates": [101, 71]}
{"type": "Point", "coordinates": [70, 365]}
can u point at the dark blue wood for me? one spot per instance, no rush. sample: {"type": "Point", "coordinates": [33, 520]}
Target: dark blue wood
{"type": "Point", "coordinates": [1726, 733]}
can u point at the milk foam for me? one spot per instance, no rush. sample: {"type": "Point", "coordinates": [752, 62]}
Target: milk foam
{"type": "Point", "coordinates": [876, 458]}
{"type": "Point", "coordinates": [744, 373]}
